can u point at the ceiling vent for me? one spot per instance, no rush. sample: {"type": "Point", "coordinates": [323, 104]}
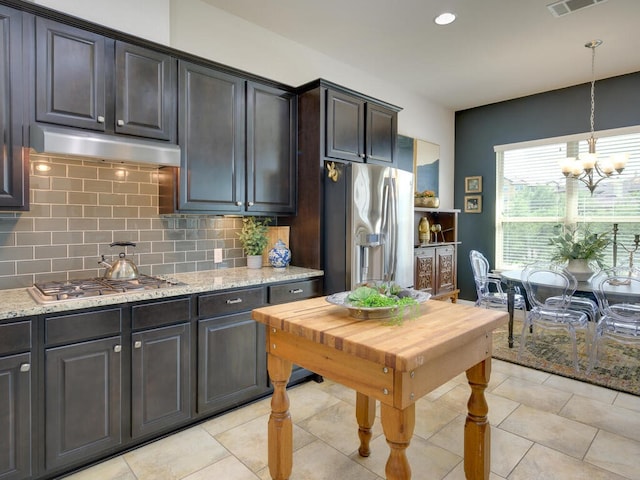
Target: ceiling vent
{"type": "Point", "coordinates": [564, 7]}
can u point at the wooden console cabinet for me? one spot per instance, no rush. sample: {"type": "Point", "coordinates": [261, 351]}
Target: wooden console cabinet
{"type": "Point", "coordinates": [435, 262]}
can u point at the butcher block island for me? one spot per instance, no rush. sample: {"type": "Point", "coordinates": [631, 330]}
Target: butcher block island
{"type": "Point", "coordinates": [395, 363]}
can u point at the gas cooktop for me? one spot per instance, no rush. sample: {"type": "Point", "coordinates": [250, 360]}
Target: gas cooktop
{"type": "Point", "coordinates": [65, 290]}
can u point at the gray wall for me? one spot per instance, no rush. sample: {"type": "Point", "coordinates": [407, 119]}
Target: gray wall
{"type": "Point", "coordinates": [549, 114]}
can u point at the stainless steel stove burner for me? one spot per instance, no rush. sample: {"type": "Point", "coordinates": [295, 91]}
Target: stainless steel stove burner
{"type": "Point", "coordinates": [48, 292]}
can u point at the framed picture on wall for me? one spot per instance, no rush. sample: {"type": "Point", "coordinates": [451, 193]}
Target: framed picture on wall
{"type": "Point", "coordinates": [472, 184]}
{"type": "Point", "coordinates": [473, 204]}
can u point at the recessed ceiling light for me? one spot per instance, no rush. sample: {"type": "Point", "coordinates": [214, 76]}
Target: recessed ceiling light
{"type": "Point", "coordinates": [445, 18]}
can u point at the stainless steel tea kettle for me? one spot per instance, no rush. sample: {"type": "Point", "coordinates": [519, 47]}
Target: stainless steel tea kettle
{"type": "Point", "coordinates": [123, 268]}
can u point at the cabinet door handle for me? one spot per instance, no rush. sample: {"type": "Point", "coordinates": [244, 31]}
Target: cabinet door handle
{"type": "Point", "coordinates": [137, 344]}
{"type": "Point", "coordinates": [117, 348]}
{"type": "Point", "coordinates": [232, 301]}
{"type": "Point", "coordinates": [250, 204]}
{"type": "Point", "coordinates": [239, 204]}
{"type": "Point", "coordinates": [296, 290]}
{"type": "Point", "coordinates": [100, 119]}
{"type": "Point", "coordinates": [25, 367]}
{"type": "Point", "coordinates": [120, 123]}
{"type": "Point", "coordinates": [361, 155]}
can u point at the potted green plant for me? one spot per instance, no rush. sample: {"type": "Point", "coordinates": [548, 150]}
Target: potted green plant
{"type": "Point", "coordinates": [253, 237]}
{"type": "Point", "coordinates": [578, 247]}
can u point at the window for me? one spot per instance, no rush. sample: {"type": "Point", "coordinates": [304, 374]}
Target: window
{"type": "Point", "coordinates": [533, 197]}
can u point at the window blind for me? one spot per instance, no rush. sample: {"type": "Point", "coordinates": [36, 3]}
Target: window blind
{"type": "Point", "coordinates": [533, 197]}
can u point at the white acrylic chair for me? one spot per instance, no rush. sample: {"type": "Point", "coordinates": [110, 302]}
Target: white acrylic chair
{"type": "Point", "coordinates": [618, 293]}
{"type": "Point", "coordinates": [550, 291]}
{"type": "Point", "coordinates": [489, 286]}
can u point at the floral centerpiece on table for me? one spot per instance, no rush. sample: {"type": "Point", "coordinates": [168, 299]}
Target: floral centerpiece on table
{"type": "Point", "coordinates": [426, 198]}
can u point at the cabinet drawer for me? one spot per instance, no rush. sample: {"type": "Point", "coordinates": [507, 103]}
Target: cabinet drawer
{"type": "Point", "coordinates": [160, 313]}
{"type": "Point", "coordinates": [82, 326]}
{"type": "Point", "coordinates": [15, 337]}
{"type": "Point", "coordinates": [290, 292]}
{"type": "Point", "coordinates": [215, 304]}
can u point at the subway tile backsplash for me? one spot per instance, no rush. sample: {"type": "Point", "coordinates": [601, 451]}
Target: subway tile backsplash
{"type": "Point", "coordinates": [79, 207]}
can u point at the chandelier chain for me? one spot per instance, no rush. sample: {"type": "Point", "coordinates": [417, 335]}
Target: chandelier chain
{"type": "Point", "coordinates": [593, 87]}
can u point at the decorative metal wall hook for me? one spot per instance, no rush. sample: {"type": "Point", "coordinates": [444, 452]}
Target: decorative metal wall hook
{"type": "Point", "coordinates": [332, 171]}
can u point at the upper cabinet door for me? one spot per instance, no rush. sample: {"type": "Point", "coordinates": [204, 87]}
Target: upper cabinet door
{"type": "Point", "coordinates": [271, 147]}
{"type": "Point", "coordinates": [145, 93]}
{"type": "Point", "coordinates": [70, 76]}
{"type": "Point", "coordinates": [345, 127]}
{"type": "Point", "coordinates": [211, 135]}
{"type": "Point", "coordinates": [14, 177]}
{"type": "Point", "coordinates": [382, 134]}
{"type": "Point", "coordinates": [359, 130]}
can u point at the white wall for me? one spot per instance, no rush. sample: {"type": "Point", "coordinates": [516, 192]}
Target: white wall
{"type": "Point", "coordinates": [145, 18]}
{"type": "Point", "coordinates": [201, 29]}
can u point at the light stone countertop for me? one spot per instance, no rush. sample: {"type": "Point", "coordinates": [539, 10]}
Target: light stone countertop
{"type": "Point", "coordinates": [18, 302]}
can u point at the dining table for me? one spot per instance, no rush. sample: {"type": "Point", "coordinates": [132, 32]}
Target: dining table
{"type": "Point", "coordinates": [394, 361]}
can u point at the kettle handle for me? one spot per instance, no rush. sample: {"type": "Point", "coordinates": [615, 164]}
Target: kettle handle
{"type": "Point", "coordinates": [122, 244]}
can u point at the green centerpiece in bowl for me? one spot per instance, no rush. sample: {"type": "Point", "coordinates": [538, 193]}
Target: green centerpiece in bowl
{"type": "Point", "coordinates": [379, 300]}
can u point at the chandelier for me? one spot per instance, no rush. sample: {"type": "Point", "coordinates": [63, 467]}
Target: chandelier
{"type": "Point", "coordinates": [588, 165]}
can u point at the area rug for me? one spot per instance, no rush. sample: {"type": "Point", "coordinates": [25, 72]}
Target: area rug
{"type": "Point", "coordinates": [618, 366]}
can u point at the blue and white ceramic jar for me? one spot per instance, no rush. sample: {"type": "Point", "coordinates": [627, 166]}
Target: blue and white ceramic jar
{"type": "Point", "coordinates": [279, 255]}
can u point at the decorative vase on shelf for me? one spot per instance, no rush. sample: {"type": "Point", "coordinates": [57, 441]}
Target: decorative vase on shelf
{"type": "Point", "coordinates": [279, 255]}
{"type": "Point", "coordinates": [423, 230]}
{"type": "Point", "coordinates": [579, 268]}
{"type": "Point", "coordinates": [254, 261]}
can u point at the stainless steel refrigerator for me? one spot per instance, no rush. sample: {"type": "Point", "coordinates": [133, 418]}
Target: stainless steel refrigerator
{"type": "Point", "coordinates": [368, 225]}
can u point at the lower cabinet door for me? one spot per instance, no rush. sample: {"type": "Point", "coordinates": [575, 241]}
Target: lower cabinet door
{"type": "Point", "coordinates": [424, 278]}
{"type": "Point", "coordinates": [231, 362]}
{"type": "Point", "coordinates": [15, 417]}
{"type": "Point", "coordinates": [83, 391]}
{"type": "Point", "coordinates": [160, 381]}
{"type": "Point", "coordinates": [446, 269]}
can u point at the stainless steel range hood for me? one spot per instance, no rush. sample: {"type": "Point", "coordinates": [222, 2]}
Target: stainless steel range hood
{"type": "Point", "coordinates": [99, 146]}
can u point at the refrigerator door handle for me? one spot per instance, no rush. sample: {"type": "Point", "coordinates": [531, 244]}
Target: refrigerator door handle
{"type": "Point", "coordinates": [390, 228]}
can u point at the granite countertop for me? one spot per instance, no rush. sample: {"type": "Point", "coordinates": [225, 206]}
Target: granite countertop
{"type": "Point", "coordinates": [18, 302]}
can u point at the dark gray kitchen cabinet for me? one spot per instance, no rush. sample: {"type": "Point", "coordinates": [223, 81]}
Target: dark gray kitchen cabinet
{"type": "Point", "coordinates": [238, 146]}
{"type": "Point", "coordinates": [89, 81]}
{"type": "Point", "coordinates": [145, 93]}
{"type": "Point", "coordinates": [71, 76]}
{"type": "Point", "coordinates": [359, 130]}
{"type": "Point", "coordinates": [160, 366]}
{"type": "Point", "coordinates": [211, 134]}
{"type": "Point", "coordinates": [232, 357]}
{"type": "Point", "coordinates": [14, 175]}
{"type": "Point", "coordinates": [83, 386]}
{"type": "Point", "coordinates": [271, 148]}
{"type": "Point", "coordinates": [15, 400]}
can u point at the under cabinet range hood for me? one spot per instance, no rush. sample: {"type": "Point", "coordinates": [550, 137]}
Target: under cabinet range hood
{"type": "Point", "coordinates": [99, 146]}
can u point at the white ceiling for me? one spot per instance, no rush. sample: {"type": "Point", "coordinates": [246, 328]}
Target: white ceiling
{"type": "Point", "coordinates": [496, 50]}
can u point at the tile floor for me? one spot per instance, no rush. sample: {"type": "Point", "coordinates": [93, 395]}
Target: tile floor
{"type": "Point", "coordinates": [543, 427]}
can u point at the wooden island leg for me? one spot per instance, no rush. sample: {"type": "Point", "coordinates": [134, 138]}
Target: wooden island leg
{"type": "Point", "coordinates": [366, 416]}
{"type": "Point", "coordinates": [280, 437]}
{"type": "Point", "coordinates": [477, 431]}
{"type": "Point", "coordinates": [398, 428]}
